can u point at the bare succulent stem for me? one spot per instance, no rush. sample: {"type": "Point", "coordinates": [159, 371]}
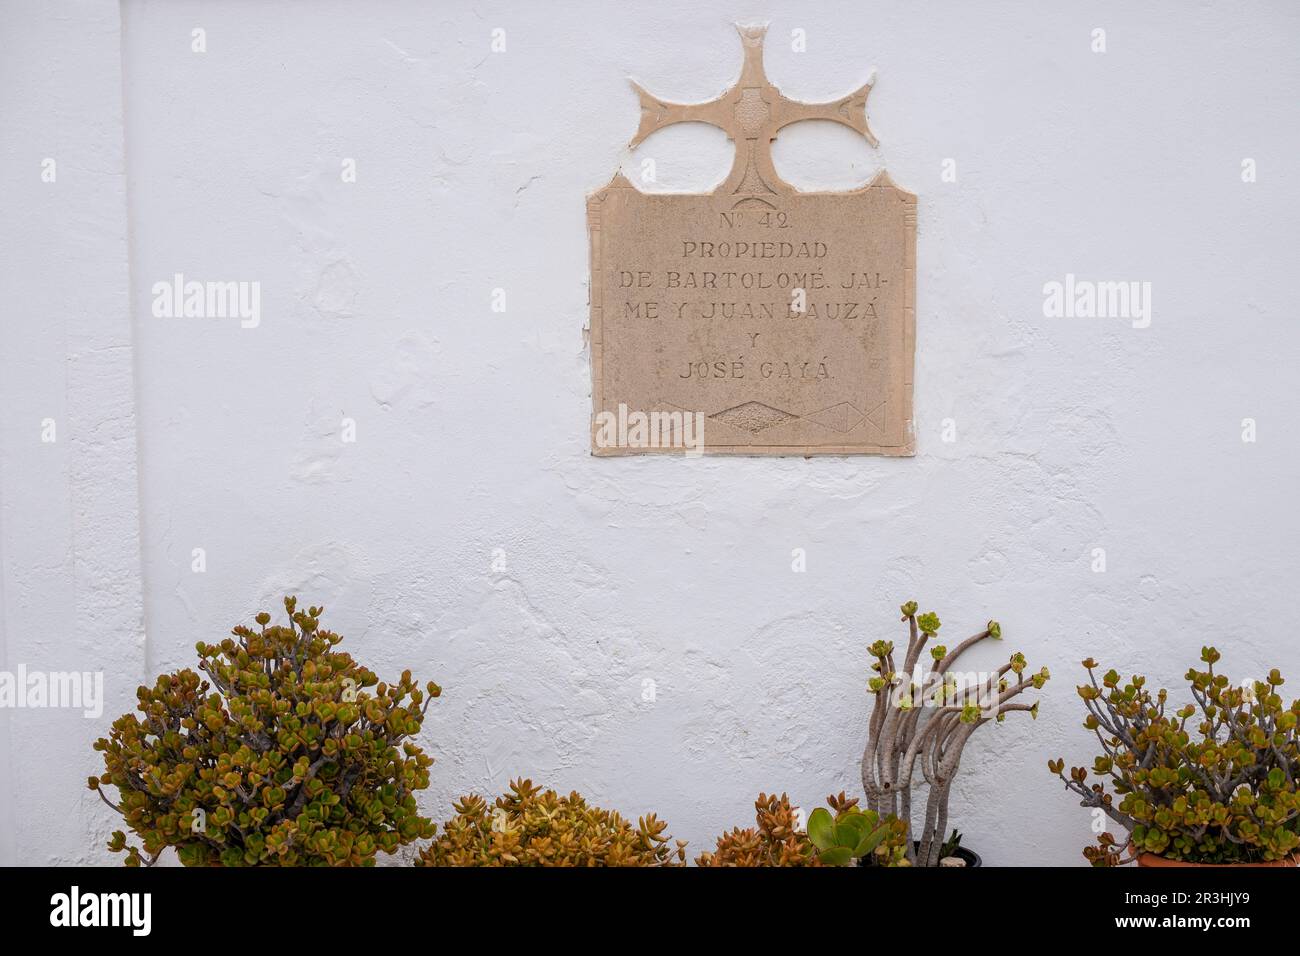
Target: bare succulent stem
{"type": "Point", "coordinates": [918, 724]}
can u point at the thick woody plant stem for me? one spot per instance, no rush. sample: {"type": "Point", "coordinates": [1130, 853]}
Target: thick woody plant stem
{"type": "Point", "coordinates": [925, 720]}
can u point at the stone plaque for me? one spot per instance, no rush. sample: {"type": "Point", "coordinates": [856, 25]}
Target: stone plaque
{"type": "Point", "coordinates": [756, 319]}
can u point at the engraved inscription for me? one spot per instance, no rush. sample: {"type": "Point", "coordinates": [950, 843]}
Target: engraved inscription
{"type": "Point", "coordinates": [784, 319]}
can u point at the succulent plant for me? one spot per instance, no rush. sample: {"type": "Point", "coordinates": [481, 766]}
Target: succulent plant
{"type": "Point", "coordinates": [928, 722]}
{"type": "Point", "coordinates": [831, 839]}
{"type": "Point", "coordinates": [291, 761]}
{"type": "Point", "coordinates": [775, 841]}
{"type": "Point", "coordinates": [531, 827]}
{"type": "Point", "coordinates": [1213, 782]}
{"type": "Point", "coordinates": [856, 834]}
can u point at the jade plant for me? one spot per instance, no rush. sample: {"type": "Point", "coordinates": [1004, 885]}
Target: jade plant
{"type": "Point", "coordinates": [835, 838]}
{"type": "Point", "coordinates": [290, 754]}
{"type": "Point", "coordinates": [531, 827]}
{"type": "Point", "coordinates": [925, 723]}
{"type": "Point", "coordinates": [1213, 782]}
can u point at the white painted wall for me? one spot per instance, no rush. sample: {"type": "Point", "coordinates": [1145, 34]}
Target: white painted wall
{"type": "Point", "coordinates": [472, 167]}
{"type": "Point", "coordinates": [69, 509]}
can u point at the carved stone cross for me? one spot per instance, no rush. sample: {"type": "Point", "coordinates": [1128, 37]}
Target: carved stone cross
{"type": "Point", "coordinates": [751, 113]}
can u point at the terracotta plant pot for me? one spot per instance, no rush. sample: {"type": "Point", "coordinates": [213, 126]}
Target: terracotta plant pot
{"type": "Point", "coordinates": [1150, 859]}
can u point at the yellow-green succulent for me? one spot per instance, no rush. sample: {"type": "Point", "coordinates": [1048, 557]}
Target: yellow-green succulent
{"type": "Point", "coordinates": [1217, 781]}
{"type": "Point", "coordinates": [289, 753]}
{"type": "Point", "coordinates": [531, 827]}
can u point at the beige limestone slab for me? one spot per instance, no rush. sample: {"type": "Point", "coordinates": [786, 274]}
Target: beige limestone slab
{"type": "Point", "coordinates": [696, 297]}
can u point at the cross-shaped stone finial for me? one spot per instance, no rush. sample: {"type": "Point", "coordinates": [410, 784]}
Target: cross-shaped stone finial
{"type": "Point", "coordinates": [751, 113]}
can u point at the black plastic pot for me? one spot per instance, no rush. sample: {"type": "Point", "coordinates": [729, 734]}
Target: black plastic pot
{"type": "Point", "coordinates": [970, 856]}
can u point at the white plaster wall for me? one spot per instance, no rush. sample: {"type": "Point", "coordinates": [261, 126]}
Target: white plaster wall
{"type": "Point", "coordinates": [472, 167]}
{"type": "Point", "coordinates": [69, 518]}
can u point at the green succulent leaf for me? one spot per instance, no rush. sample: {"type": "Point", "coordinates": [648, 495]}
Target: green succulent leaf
{"type": "Point", "coordinates": [821, 828]}
{"type": "Point", "coordinates": [870, 840]}
{"type": "Point", "coordinates": [836, 856]}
